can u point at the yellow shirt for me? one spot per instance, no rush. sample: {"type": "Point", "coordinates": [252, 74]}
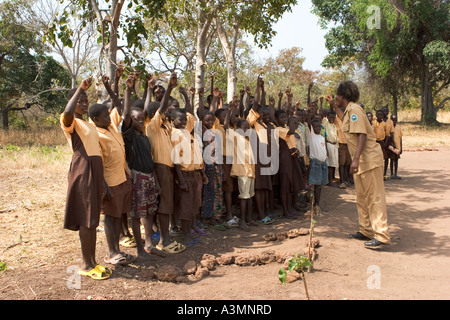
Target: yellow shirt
{"type": "Point", "coordinates": [398, 134]}
{"type": "Point", "coordinates": [355, 122]}
{"type": "Point", "coordinates": [87, 133]}
{"type": "Point", "coordinates": [331, 130]}
{"type": "Point", "coordinates": [159, 132]}
{"type": "Point", "coordinates": [223, 137]}
{"type": "Point", "coordinates": [380, 129]}
{"type": "Point", "coordinates": [244, 161]}
{"type": "Point", "coordinates": [389, 127]}
{"type": "Point", "coordinates": [341, 135]}
{"type": "Point", "coordinates": [113, 153]}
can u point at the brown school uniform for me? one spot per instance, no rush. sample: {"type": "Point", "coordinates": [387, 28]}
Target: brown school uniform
{"type": "Point", "coordinates": [159, 132]}
{"type": "Point", "coordinates": [115, 171]}
{"type": "Point", "coordinates": [290, 178]}
{"type": "Point", "coordinates": [263, 180]}
{"type": "Point", "coordinates": [85, 179]}
{"type": "Point", "coordinates": [187, 203]}
{"type": "Point", "coordinates": [229, 182]}
{"type": "Point", "coordinates": [344, 155]}
{"type": "Point", "coordinates": [369, 184]}
{"type": "Point", "coordinates": [398, 134]}
{"type": "Point", "coordinates": [380, 134]}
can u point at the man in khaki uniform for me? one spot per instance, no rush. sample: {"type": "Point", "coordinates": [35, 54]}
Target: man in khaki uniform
{"type": "Point", "coordinates": [367, 167]}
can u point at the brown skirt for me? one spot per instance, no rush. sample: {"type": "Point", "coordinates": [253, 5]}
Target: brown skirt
{"type": "Point", "coordinates": [120, 201]}
{"type": "Point", "coordinates": [85, 189]}
{"type": "Point", "coordinates": [164, 174]}
{"type": "Point", "coordinates": [187, 203]}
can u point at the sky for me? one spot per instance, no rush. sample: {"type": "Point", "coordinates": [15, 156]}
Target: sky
{"type": "Point", "coordinates": [298, 28]}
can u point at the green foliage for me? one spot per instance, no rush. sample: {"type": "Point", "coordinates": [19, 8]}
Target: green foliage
{"type": "Point", "coordinates": [3, 265]}
{"type": "Point", "coordinates": [297, 263]}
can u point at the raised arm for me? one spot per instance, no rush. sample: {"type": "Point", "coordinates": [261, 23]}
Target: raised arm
{"type": "Point", "coordinates": [241, 103]}
{"type": "Point", "coordinates": [173, 82]}
{"type": "Point", "coordinates": [114, 97]}
{"type": "Point", "coordinates": [334, 105]}
{"type": "Point", "coordinates": [257, 97]}
{"type": "Point", "coordinates": [189, 107]}
{"type": "Point", "coordinates": [118, 75]}
{"type": "Point", "coordinates": [215, 100]}
{"type": "Point", "coordinates": [280, 97]}
{"type": "Point", "coordinates": [201, 105]}
{"type": "Point", "coordinates": [151, 81]}
{"type": "Point", "coordinates": [69, 111]}
{"type": "Point", "coordinates": [130, 82]}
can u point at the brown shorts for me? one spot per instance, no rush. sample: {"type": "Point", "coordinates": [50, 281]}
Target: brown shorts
{"type": "Point", "coordinates": [187, 203]}
{"type": "Point", "coordinates": [229, 184]}
{"type": "Point", "coordinates": [344, 155]}
{"type": "Point", "coordinates": [166, 183]}
{"type": "Point", "coordinates": [383, 148]}
{"type": "Point", "coordinates": [120, 202]}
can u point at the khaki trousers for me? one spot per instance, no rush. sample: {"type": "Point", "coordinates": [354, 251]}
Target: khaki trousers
{"type": "Point", "coordinates": [371, 205]}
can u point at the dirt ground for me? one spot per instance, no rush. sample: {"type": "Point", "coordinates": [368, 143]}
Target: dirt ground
{"type": "Point", "coordinates": [39, 254]}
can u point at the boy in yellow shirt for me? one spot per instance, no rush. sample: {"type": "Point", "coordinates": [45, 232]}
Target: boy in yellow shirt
{"type": "Point", "coordinates": [398, 142]}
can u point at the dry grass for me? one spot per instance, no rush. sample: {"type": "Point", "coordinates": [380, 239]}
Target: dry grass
{"type": "Point", "coordinates": [414, 116]}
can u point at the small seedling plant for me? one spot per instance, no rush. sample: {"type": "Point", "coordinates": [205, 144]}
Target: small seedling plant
{"type": "Point", "coordinates": [296, 264]}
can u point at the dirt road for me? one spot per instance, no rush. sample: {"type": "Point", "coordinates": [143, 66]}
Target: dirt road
{"type": "Point", "coordinates": [39, 253]}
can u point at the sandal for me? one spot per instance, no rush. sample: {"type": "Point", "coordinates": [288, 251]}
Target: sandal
{"type": "Point", "coordinates": [266, 220]}
{"type": "Point", "coordinates": [174, 247]}
{"type": "Point", "coordinates": [128, 242]}
{"type": "Point", "coordinates": [175, 231]}
{"type": "Point", "coordinates": [234, 222]}
{"type": "Point", "coordinates": [98, 273]}
{"type": "Point", "coordinates": [120, 259]}
{"type": "Point", "coordinates": [155, 251]}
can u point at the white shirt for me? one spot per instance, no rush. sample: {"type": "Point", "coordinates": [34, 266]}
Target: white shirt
{"type": "Point", "coordinates": [317, 146]}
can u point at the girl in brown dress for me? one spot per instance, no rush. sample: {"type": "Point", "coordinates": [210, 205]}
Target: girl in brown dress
{"type": "Point", "coordinates": [85, 179]}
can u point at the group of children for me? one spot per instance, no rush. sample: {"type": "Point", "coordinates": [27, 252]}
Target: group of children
{"type": "Point", "coordinates": [170, 170]}
{"type": "Point", "coordinates": [389, 135]}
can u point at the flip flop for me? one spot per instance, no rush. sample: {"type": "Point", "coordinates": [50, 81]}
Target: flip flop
{"type": "Point", "coordinates": [155, 251]}
{"type": "Point", "coordinates": [200, 232]}
{"type": "Point", "coordinates": [266, 220]}
{"type": "Point", "coordinates": [97, 273]}
{"type": "Point", "coordinates": [174, 247]}
{"type": "Point", "coordinates": [128, 242]}
{"type": "Point", "coordinates": [120, 259]}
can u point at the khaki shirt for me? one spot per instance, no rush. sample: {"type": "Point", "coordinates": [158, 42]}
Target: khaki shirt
{"type": "Point", "coordinates": [398, 134]}
{"type": "Point", "coordinates": [355, 122]}
{"type": "Point", "coordinates": [380, 130]}
{"type": "Point", "coordinates": [159, 132]}
{"type": "Point", "coordinates": [389, 127]}
{"type": "Point", "coordinates": [341, 135]}
{"type": "Point", "coordinates": [244, 161]}
{"type": "Point", "coordinates": [113, 153]}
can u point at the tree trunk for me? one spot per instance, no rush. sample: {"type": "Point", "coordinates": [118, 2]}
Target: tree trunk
{"type": "Point", "coordinates": [429, 114]}
{"type": "Point", "coordinates": [395, 103]}
{"type": "Point", "coordinates": [5, 119]}
{"type": "Point", "coordinates": [229, 50]}
{"type": "Point", "coordinates": [200, 61]}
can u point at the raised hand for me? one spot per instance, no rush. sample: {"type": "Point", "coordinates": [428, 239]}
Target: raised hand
{"type": "Point", "coordinates": [119, 71]}
{"type": "Point", "coordinates": [105, 80]}
{"type": "Point", "coordinates": [130, 81]}
{"type": "Point", "coordinates": [86, 83]}
{"type": "Point", "coordinates": [173, 81]}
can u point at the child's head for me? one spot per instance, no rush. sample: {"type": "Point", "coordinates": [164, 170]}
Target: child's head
{"type": "Point", "coordinates": [82, 103]}
{"type": "Point", "coordinates": [385, 111]}
{"type": "Point", "coordinates": [139, 103]}
{"type": "Point", "coordinates": [265, 115]}
{"type": "Point", "coordinates": [99, 114]}
{"type": "Point", "coordinates": [179, 118]}
{"type": "Point", "coordinates": [243, 125]}
{"type": "Point", "coordinates": [158, 92]}
{"type": "Point", "coordinates": [281, 117]}
{"type": "Point", "coordinates": [221, 114]}
{"type": "Point", "coordinates": [173, 102]}
{"type": "Point", "coordinates": [137, 119]}
{"type": "Point", "coordinates": [394, 119]}
{"type": "Point", "coordinates": [379, 115]}
{"type": "Point", "coordinates": [331, 116]}
{"type": "Point", "coordinates": [317, 125]}
{"type": "Point", "coordinates": [299, 115]}
{"type": "Point", "coordinates": [369, 116]}
{"type": "Point", "coordinates": [152, 108]}
{"type": "Point", "coordinates": [209, 119]}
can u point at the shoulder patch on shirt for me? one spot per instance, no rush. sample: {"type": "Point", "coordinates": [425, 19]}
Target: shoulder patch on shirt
{"type": "Point", "coordinates": [354, 117]}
